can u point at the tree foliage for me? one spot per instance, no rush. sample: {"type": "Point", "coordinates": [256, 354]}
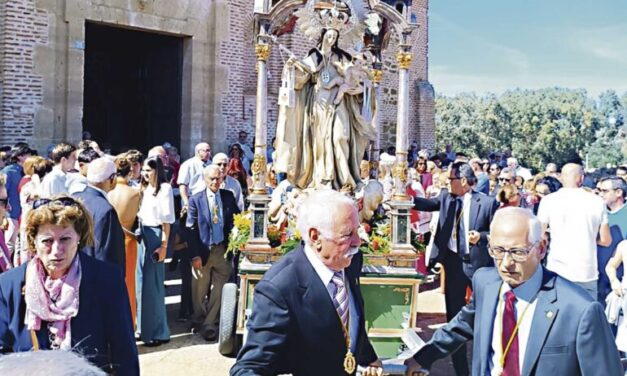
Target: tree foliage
{"type": "Point", "coordinates": [537, 126]}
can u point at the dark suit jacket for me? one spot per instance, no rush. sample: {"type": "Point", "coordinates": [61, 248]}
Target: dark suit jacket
{"type": "Point", "coordinates": [108, 233]}
{"type": "Point", "coordinates": [102, 330]}
{"type": "Point", "coordinates": [294, 327]}
{"type": "Point", "coordinates": [199, 221]}
{"type": "Point", "coordinates": [574, 339]}
{"type": "Point", "coordinates": [482, 210]}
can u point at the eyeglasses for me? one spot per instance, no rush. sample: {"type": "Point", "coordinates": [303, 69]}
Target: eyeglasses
{"type": "Point", "coordinates": [220, 164]}
{"type": "Point", "coordinates": [606, 190]}
{"type": "Point", "coordinates": [4, 202]}
{"type": "Point", "coordinates": [516, 254]}
{"type": "Point", "coordinates": [493, 169]}
{"type": "Point", "coordinates": [503, 179]}
{"type": "Point", "coordinates": [63, 201]}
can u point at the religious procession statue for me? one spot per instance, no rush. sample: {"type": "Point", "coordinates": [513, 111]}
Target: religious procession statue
{"type": "Point", "coordinates": [326, 100]}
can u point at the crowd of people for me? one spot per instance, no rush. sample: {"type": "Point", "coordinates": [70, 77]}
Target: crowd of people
{"type": "Point", "coordinates": [582, 226]}
{"type": "Point", "coordinates": [86, 234]}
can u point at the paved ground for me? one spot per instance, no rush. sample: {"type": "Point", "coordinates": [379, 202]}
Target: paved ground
{"type": "Point", "coordinates": [189, 355]}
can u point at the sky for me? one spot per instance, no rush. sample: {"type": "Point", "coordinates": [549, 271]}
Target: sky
{"type": "Point", "coordinates": [495, 45]}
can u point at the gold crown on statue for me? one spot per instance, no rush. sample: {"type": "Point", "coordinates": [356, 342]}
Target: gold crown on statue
{"type": "Point", "coordinates": [340, 15]}
{"type": "Point", "coordinates": [333, 15]}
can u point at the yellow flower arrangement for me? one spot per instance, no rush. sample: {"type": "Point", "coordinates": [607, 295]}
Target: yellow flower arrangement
{"type": "Point", "coordinates": [240, 233]}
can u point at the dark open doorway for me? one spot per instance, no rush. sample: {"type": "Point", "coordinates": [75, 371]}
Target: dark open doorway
{"type": "Point", "coordinates": [132, 87]}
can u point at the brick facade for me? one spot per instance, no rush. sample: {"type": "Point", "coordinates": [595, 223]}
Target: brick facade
{"type": "Point", "coordinates": [41, 68]}
{"type": "Point", "coordinates": [23, 27]}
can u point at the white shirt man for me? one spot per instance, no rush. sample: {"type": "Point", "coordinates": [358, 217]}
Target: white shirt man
{"type": "Point", "coordinates": [512, 163]}
{"type": "Point", "coordinates": [54, 183]}
{"type": "Point", "coordinates": [574, 218]}
{"type": "Point", "coordinates": [190, 178]}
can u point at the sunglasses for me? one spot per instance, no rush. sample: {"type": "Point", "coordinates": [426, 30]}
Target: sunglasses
{"type": "Point", "coordinates": [63, 201]}
{"type": "Point", "coordinates": [4, 202]}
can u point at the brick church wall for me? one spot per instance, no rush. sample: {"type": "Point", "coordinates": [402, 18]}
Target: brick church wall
{"type": "Point", "coordinates": [24, 86]}
{"type": "Point", "coordinates": [21, 88]}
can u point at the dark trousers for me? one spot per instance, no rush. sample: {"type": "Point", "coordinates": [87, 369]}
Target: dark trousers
{"type": "Point", "coordinates": [456, 283]}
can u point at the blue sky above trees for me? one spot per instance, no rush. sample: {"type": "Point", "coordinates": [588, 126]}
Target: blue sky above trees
{"type": "Point", "coordinates": [495, 45]}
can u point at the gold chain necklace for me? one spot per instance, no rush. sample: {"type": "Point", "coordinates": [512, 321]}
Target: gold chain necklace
{"type": "Point", "coordinates": [349, 359]}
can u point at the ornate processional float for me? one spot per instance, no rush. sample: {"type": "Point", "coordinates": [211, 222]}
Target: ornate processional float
{"type": "Point", "coordinates": [328, 102]}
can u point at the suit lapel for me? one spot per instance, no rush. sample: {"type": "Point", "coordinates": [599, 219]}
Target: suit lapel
{"type": "Point", "coordinates": [319, 312]}
{"type": "Point", "coordinates": [488, 314]}
{"type": "Point", "coordinates": [204, 209]}
{"type": "Point", "coordinates": [81, 323]}
{"type": "Point", "coordinates": [543, 319]}
{"type": "Point", "coordinates": [475, 205]}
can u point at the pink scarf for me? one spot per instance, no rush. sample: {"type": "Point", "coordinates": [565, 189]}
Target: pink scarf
{"type": "Point", "coordinates": [52, 300]}
{"type": "Point", "coordinates": [5, 255]}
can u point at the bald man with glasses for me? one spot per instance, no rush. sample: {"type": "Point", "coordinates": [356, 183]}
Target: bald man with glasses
{"type": "Point", "coordinates": [524, 319]}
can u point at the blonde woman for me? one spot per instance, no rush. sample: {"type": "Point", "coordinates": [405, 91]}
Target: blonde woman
{"type": "Point", "coordinates": [509, 195]}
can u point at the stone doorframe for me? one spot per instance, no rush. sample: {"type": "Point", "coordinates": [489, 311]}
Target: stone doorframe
{"type": "Point", "coordinates": [61, 63]}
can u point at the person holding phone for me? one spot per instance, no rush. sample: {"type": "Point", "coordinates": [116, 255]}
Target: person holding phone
{"type": "Point", "coordinates": [156, 214]}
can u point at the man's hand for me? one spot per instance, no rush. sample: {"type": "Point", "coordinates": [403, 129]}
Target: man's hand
{"type": "Point", "coordinates": [414, 369]}
{"type": "Point", "coordinates": [617, 287]}
{"type": "Point", "coordinates": [473, 237]}
{"type": "Point", "coordinates": [374, 369]}
{"type": "Point", "coordinates": [183, 211]}
{"type": "Point", "coordinates": [197, 263]}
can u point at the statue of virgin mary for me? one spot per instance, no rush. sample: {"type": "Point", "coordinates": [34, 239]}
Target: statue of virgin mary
{"type": "Point", "coordinates": [320, 143]}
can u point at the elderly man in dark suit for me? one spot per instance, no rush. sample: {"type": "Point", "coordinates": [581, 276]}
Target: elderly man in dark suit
{"type": "Point", "coordinates": [308, 316]}
{"type": "Point", "coordinates": [108, 233]}
{"type": "Point", "coordinates": [524, 319]}
{"type": "Point", "coordinates": [210, 218]}
{"type": "Point", "coordinates": [461, 239]}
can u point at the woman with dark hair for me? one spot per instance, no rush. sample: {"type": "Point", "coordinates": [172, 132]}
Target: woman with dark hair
{"type": "Point", "coordinates": [320, 143]}
{"type": "Point", "coordinates": [156, 213]}
{"type": "Point", "coordinates": [63, 299]}
{"type": "Point", "coordinates": [425, 177]}
{"type": "Point", "coordinates": [125, 200]}
{"type": "Point", "coordinates": [235, 169]}
{"type": "Point", "coordinates": [544, 186]}
{"type": "Point", "coordinates": [236, 152]}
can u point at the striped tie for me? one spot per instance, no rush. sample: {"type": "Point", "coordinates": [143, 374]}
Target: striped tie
{"type": "Point", "coordinates": [340, 301]}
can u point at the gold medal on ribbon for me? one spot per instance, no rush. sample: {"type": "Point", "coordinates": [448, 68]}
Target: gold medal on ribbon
{"type": "Point", "coordinates": [349, 362]}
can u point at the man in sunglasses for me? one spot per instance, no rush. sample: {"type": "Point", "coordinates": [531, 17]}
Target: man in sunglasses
{"type": "Point", "coordinates": [460, 240]}
{"type": "Point", "coordinates": [524, 319]}
{"type": "Point", "coordinates": [228, 182]}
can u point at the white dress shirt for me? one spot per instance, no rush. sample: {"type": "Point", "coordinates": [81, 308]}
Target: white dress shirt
{"type": "Point", "coordinates": [525, 296]}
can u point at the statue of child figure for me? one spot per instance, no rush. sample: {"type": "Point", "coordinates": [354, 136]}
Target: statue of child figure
{"type": "Point", "coordinates": [354, 76]}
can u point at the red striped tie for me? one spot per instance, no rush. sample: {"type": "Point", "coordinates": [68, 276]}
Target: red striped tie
{"type": "Point", "coordinates": [511, 366]}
